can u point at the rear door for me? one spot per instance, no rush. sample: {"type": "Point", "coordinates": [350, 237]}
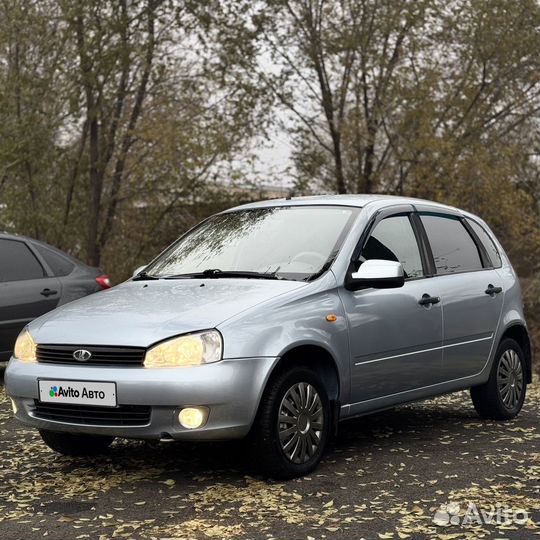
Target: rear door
{"type": "Point", "coordinates": [470, 292]}
{"type": "Point", "coordinates": [26, 291]}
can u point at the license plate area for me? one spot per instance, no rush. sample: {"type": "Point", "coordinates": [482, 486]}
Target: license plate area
{"type": "Point", "coordinates": [98, 394]}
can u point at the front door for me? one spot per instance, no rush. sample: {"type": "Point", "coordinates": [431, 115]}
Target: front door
{"type": "Point", "coordinates": [395, 334]}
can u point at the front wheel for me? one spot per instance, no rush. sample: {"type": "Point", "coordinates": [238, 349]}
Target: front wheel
{"type": "Point", "coordinates": [502, 397]}
{"type": "Point", "coordinates": [75, 444]}
{"type": "Point", "coordinates": [293, 424]}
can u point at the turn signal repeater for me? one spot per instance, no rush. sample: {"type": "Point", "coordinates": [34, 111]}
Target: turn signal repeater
{"type": "Point", "coordinates": [331, 317]}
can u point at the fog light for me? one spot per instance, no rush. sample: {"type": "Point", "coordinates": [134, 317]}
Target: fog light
{"type": "Point", "coordinates": [14, 406]}
{"type": "Point", "coordinates": [193, 417]}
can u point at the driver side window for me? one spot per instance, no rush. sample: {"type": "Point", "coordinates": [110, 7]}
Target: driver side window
{"type": "Point", "coordinates": [393, 239]}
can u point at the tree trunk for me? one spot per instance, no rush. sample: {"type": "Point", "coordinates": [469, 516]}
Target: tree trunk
{"type": "Point", "coordinates": [369, 161]}
{"type": "Point", "coordinates": [341, 188]}
{"type": "Point", "coordinates": [93, 251]}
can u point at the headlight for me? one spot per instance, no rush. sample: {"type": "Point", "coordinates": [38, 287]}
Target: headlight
{"type": "Point", "coordinates": [25, 347]}
{"type": "Point", "coordinates": [189, 350]}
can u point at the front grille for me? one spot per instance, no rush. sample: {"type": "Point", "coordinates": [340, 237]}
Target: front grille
{"type": "Point", "coordinates": [102, 356]}
{"type": "Point", "coordinates": [123, 415]}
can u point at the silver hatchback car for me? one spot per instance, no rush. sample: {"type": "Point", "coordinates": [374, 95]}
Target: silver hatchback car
{"type": "Point", "coordinates": [276, 320]}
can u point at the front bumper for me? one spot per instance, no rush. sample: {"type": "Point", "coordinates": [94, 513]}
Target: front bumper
{"type": "Point", "coordinates": [230, 389]}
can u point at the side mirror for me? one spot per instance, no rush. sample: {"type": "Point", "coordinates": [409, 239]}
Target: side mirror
{"type": "Point", "coordinates": [138, 270]}
{"type": "Point", "coordinates": [378, 274]}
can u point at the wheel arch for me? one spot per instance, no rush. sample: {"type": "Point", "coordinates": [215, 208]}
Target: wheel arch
{"type": "Point", "coordinates": [315, 357]}
{"type": "Point", "coordinates": [318, 358]}
{"type": "Point", "coordinates": [518, 332]}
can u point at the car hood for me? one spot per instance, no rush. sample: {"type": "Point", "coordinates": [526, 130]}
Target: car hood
{"type": "Point", "coordinates": [140, 313]}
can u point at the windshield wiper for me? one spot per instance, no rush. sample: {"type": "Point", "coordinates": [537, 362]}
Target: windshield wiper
{"type": "Point", "coordinates": [217, 273]}
{"type": "Point", "coordinates": [142, 276]}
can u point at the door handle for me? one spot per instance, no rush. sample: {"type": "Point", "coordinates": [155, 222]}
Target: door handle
{"type": "Point", "coordinates": [493, 290]}
{"type": "Point", "coordinates": [48, 292]}
{"type": "Point", "coordinates": [426, 300]}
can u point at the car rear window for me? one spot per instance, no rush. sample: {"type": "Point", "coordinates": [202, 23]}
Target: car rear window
{"type": "Point", "coordinates": [487, 242]}
{"type": "Point", "coordinates": [59, 264]}
{"type": "Point", "coordinates": [17, 262]}
{"type": "Point", "coordinates": [453, 248]}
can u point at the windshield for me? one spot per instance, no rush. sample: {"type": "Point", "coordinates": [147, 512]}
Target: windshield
{"type": "Point", "coordinates": [293, 242]}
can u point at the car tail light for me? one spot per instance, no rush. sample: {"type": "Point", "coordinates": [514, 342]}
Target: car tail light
{"type": "Point", "coordinates": [104, 281]}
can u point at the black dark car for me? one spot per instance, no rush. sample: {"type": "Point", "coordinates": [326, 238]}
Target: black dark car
{"type": "Point", "coordinates": [35, 278]}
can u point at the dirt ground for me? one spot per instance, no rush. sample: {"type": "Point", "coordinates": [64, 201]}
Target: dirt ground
{"type": "Point", "coordinates": [413, 472]}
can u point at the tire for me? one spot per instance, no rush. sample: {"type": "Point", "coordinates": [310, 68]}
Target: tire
{"type": "Point", "coordinates": [293, 447]}
{"type": "Point", "coordinates": [502, 397]}
{"type": "Point", "coordinates": [74, 444]}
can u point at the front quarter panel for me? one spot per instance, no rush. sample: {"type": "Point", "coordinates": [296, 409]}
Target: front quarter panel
{"type": "Point", "coordinates": [282, 324]}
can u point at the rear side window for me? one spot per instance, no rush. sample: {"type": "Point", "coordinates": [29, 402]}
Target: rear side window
{"type": "Point", "coordinates": [17, 262]}
{"type": "Point", "coordinates": [453, 248]}
{"type": "Point", "coordinates": [487, 242]}
{"type": "Point", "coordinates": [60, 265]}
{"type": "Point", "coordinates": [393, 239]}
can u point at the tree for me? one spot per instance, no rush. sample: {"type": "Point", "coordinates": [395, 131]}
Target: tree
{"type": "Point", "coordinates": [116, 47]}
{"type": "Point", "coordinates": [110, 111]}
{"type": "Point", "coordinates": [431, 99]}
{"type": "Point", "coordinates": [32, 52]}
{"type": "Point", "coordinates": [426, 98]}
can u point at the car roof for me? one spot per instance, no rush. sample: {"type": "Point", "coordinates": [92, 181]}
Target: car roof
{"type": "Point", "coordinates": [13, 236]}
{"type": "Point", "coordinates": [22, 238]}
{"type": "Point", "coordinates": [359, 201]}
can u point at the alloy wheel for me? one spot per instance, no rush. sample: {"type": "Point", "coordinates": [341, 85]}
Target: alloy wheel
{"type": "Point", "coordinates": [300, 422]}
{"type": "Point", "coordinates": [510, 379]}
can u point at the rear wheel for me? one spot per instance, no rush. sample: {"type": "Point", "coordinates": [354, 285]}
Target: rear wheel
{"type": "Point", "coordinates": [75, 444]}
{"type": "Point", "coordinates": [502, 397]}
{"type": "Point", "coordinates": [293, 424]}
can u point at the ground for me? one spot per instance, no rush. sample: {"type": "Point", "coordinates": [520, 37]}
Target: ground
{"type": "Point", "coordinates": [403, 473]}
